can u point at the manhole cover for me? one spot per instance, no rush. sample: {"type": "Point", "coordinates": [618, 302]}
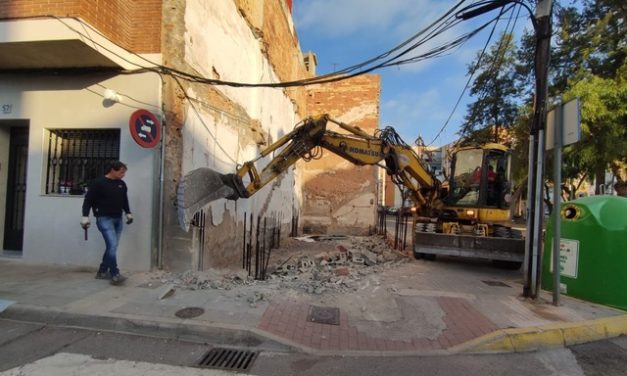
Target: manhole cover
{"type": "Point", "coordinates": [495, 283]}
{"type": "Point", "coordinates": [324, 315]}
{"type": "Point", "coordinates": [229, 359]}
{"type": "Point", "coordinates": [189, 312]}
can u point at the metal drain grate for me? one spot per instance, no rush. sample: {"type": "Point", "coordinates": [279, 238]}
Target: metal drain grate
{"type": "Point", "coordinates": [228, 359]}
{"type": "Point", "coordinates": [496, 283]}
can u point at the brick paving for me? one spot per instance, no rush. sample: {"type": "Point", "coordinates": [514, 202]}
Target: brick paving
{"type": "Point", "coordinates": [289, 320]}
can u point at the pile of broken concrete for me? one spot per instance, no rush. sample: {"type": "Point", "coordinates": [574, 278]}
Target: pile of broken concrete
{"type": "Point", "coordinates": [326, 264]}
{"type": "Point", "coordinates": [338, 269]}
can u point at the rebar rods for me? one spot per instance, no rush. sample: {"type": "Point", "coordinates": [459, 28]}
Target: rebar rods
{"type": "Point", "coordinates": [267, 236]}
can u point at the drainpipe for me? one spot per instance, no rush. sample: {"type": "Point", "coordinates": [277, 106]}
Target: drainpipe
{"type": "Point", "coordinates": [161, 186]}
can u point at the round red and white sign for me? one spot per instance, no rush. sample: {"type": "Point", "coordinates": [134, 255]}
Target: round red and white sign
{"type": "Point", "coordinates": [145, 128]}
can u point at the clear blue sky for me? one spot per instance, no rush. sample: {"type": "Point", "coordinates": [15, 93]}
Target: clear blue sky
{"type": "Point", "coordinates": [416, 99]}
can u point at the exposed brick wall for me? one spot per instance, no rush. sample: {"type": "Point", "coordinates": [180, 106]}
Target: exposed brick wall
{"type": "Point", "coordinates": [132, 24]}
{"type": "Point", "coordinates": [332, 185]}
{"type": "Point", "coordinates": [224, 249]}
{"type": "Point", "coordinates": [270, 20]}
{"type": "Point", "coordinates": [281, 42]}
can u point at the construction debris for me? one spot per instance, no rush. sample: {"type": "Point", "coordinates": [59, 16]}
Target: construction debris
{"type": "Point", "coordinates": [326, 264]}
{"type": "Point", "coordinates": [166, 291]}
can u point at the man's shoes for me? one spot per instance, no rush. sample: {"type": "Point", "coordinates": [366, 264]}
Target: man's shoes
{"type": "Point", "coordinates": [103, 275]}
{"type": "Point", "coordinates": [117, 279]}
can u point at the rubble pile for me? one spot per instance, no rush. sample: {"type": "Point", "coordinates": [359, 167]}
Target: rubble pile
{"type": "Point", "coordinates": [335, 264]}
{"type": "Point", "coordinates": [338, 269]}
{"type": "Point", "coordinates": [208, 279]}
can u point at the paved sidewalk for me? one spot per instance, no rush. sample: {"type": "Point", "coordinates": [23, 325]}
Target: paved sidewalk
{"type": "Point", "coordinates": [417, 307]}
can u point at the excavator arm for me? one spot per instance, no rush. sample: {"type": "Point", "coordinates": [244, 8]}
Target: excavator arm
{"type": "Point", "coordinates": [202, 186]}
{"type": "Point", "coordinates": [435, 233]}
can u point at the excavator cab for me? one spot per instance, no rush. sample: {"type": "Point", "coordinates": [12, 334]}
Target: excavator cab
{"type": "Point", "coordinates": [479, 185]}
{"type": "Point", "coordinates": [474, 219]}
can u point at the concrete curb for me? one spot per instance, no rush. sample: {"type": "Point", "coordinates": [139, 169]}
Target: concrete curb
{"type": "Point", "coordinates": [230, 335]}
{"type": "Point", "coordinates": [216, 334]}
{"type": "Point", "coordinates": [547, 336]}
{"type": "Point", "coordinates": [499, 341]}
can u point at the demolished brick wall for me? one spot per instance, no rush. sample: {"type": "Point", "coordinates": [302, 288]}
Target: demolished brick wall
{"type": "Point", "coordinates": [220, 127]}
{"type": "Point", "coordinates": [338, 196]}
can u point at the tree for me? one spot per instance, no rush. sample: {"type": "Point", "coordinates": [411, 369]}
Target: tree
{"type": "Point", "coordinates": [607, 36]}
{"type": "Point", "coordinates": [495, 91]}
{"type": "Point", "coordinates": [587, 61]}
{"type": "Point", "coordinates": [604, 131]}
{"type": "Point", "coordinates": [592, 58]}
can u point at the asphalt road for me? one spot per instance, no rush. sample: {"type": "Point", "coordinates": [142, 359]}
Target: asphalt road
{"type": "Point", "coordinates": [22, 343]}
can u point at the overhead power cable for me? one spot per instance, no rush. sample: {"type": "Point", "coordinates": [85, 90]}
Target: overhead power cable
{"type": "Point", "coordinates": [436, 52]}
{"type": "Point", "coordinates": [474, 69]}
{"type": "Point", "coordinates": [476, 66]}
{"type": "Point", "coordinates": [494, 69]}
{"type": "Point", "coordinates": [389, 58]}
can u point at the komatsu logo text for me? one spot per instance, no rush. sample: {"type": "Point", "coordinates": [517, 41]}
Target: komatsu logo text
{"type": "Point", "coordinates": [372, 153]}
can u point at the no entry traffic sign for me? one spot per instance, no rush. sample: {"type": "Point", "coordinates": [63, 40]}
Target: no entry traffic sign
{"type": "Point", "coordinates": [145, 128]}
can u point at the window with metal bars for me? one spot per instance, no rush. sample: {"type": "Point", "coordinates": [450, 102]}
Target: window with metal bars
{"type": "Point", "coordinates": [77, 156]}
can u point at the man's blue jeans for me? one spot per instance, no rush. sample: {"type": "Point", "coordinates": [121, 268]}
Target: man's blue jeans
{"type": "Point", "coordinates": [111, 229]}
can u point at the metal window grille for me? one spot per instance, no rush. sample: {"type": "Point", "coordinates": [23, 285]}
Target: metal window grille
{"type": "Point", "coordinates": [77, 156]}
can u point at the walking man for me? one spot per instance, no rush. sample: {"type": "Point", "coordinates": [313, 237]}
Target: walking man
{"type": "Point", "coordinates": [108, 199]}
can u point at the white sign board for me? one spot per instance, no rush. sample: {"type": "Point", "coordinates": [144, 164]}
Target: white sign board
{"type": "Point", "coordinates": [569, 116]}
{"type": "Point", "coordinates": [569, 258]}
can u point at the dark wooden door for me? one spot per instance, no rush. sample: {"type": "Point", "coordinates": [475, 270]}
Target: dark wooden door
{"type": "Point", "coordinates": [16, 189]}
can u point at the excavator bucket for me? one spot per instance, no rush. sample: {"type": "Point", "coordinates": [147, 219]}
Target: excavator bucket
{"type": "Point", "coordinates": [197, 189]}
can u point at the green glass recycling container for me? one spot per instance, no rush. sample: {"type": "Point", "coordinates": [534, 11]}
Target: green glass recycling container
{"type": "Point", "coordinates": [593, 250]}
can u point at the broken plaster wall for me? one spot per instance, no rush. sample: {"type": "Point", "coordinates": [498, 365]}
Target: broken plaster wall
{"type": "Point", "coordinates": [338, 196]}
{"type": "Point", "coordinates": [220, 127]}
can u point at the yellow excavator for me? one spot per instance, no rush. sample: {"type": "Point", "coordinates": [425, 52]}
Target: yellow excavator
{"type": "Point", "coordinates": [466, 216]}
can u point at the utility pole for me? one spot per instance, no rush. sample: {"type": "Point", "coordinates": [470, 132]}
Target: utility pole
{"type": "Point", "coordinates": [535, 216]}
{"type": "Point", "coordinates": [535, 208]}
